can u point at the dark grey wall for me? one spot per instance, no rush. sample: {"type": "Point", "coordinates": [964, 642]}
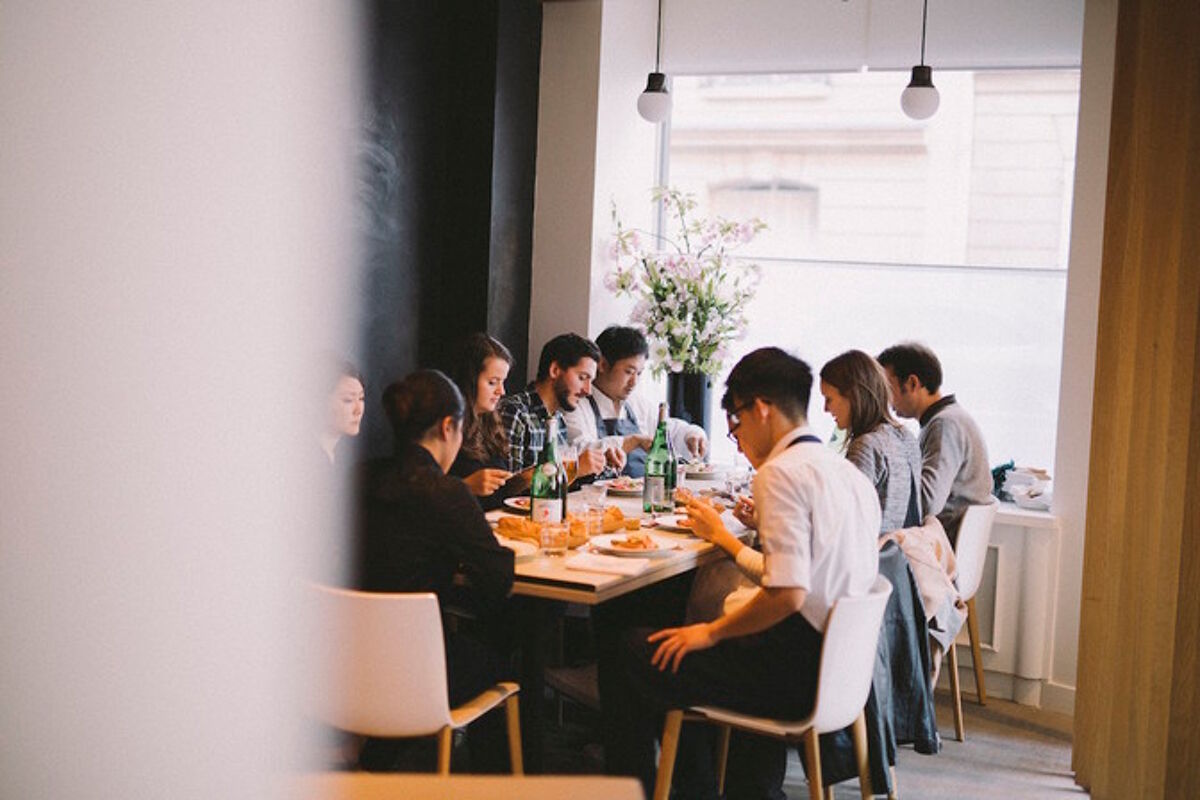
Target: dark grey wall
{"type": "Point", "coordinates": [447, 167]}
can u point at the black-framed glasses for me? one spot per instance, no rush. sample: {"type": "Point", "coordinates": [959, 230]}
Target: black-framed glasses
{"type": "Point", "coordinates": [734, 420]}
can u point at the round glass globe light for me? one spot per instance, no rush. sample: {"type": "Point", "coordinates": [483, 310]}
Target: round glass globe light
{"type": "Point", "coordinates": [654, 106]}
{"type": "Point", "coordinates": [919, 102]}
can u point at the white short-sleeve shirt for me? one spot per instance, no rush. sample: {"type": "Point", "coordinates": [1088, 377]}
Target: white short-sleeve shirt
{"type": "Point", "coordinates": [818, 520]}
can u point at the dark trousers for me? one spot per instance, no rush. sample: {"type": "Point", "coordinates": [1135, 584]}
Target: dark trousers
{"type": "Point", "coordinates": [471, 667]}
{"type": "Point", "coordinates": [771, 674]}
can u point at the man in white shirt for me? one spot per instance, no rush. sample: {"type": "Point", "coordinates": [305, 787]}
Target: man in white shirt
{"type": "Point", "coordinates": [621, 417]}
{"type": "Point", "coordinates": [818, 520]}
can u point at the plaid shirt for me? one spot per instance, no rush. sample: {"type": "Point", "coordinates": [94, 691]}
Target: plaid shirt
{"type": "Point", "coordinates": [524, 414]}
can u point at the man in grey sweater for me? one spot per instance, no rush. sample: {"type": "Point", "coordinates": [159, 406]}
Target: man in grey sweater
{"type": "Point", "coordinates": [954, 471]}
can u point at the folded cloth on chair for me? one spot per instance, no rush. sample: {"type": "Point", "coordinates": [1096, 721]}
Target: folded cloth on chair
{"type": "Point", "coordinates": [931, 557]}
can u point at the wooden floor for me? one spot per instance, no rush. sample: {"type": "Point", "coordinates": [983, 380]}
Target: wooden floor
{"type": "Point", "coordinates": [1012, 752]}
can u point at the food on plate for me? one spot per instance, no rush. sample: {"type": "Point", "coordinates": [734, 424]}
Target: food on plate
{"type": "Point", "coordinates": [624, 483]}
{"type": "Point", "coordinates": [684, 522]}
{"type": "Point", "coordinates": [520, 528]}
{"type": "Point", "coordinates": [635, 541]}
{"type": "Point", "coordinates": [631, 523]}
{"type": "Point", "coordinates": [518, 502]}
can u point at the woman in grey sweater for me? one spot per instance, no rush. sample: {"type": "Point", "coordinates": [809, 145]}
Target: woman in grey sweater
{"type": "Point", "coordinates": [856, 394]}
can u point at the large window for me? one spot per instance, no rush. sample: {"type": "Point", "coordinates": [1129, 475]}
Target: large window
{"type": "Point", "coordinates": [952, 231]}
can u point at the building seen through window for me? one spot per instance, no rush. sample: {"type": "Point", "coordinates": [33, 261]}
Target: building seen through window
{"type": "Point", "coordinates": [953, 230]}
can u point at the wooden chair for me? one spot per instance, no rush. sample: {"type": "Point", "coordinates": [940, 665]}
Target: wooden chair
{"type": "Point", "coordinates": [970, 553]}
{"type": "Point", "coordinates": [843, 682]}
{"type": "Point", "coordinates": [386, 672]}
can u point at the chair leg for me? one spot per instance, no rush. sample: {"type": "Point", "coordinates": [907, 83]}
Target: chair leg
{"type": "Point", "coordinates": [512, 713]}
{"type": "Point", "coordinates": [860, 756]}
{"type": "Point", "coordinates": [894, 794]}
{"type": "Point", "coordinates": [722, 756]}
{"type": "Point", "coordinates": [812, 755]}
{"type": "Point", "coordinates": [828, 793]}
{"type": "Point", "coordinates": [666, 760]}
{"type": "Point", "coordinates": [445, 739]}
{"type": "Point", "coordinates": [976, 654]}
{"type": "Point", "coordinates": [955, 692]}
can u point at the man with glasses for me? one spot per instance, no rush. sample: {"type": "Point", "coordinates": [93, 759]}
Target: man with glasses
{"type": "Point", "coordinates": [818, 518]}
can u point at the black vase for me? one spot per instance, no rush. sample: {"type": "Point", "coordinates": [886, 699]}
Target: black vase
{"type": "Point", "coordinates": [689, 395]}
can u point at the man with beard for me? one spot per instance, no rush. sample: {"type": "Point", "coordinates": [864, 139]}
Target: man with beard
{"type": "Point", "coordinates": [564, 378]}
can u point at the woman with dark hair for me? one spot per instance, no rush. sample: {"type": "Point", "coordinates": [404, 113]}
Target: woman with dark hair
{"type": "Point", "coordinates": [344, 410]}
{"type": "Point", "coordinates": [479, 371]}
{"type": "Point", "coordinates": [422, 531]}
{"type": "Point", "coordinates": [855, 388]}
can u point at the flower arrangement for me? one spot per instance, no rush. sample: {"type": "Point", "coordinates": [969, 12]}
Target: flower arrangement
{"type": "Point", "coordinates": [691, 292]}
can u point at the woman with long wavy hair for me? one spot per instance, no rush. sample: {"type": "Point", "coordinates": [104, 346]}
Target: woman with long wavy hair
{"type": "Point", "coordinates": [479, 372]}
{"type": "Point", "coordinates": [856, 394]}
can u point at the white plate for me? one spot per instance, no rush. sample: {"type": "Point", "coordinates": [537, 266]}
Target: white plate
{"type": "Point", "coordinates": [519, 503]}
{"type": "Point", "coordinates": [635, 490]}
{"type": "Point", "coordinates": [520, 548]}
{"type": "Point", "coordinates": [673, 522]}
{"type": "Point", "coordinates": [703, 472]}
{"type": "Point", "coordinates": [604, 544]}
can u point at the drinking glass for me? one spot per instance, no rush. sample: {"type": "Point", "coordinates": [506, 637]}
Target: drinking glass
{"type": "Point", "coordinates": [593, 515]}
{"type": "Point", "coordinates": [553, 536]}
{"type": "Point", "coordinates": [570, 460]}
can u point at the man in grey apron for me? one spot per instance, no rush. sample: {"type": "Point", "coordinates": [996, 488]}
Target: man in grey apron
{"type": "Point", "coordinates": [621, 417]}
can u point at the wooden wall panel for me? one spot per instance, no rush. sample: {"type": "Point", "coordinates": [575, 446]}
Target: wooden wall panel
{"type": "Point", "coordinates": [1136, 703]}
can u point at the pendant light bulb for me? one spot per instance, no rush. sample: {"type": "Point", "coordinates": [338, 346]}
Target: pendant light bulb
{"type": "Point", "coordinates": [920, 99]}
{"type": "Point", "coordinates": [654, 104]}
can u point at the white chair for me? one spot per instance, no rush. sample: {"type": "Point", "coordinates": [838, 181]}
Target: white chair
{"type": "Point", "coordinates": [387, 672]}
{"type": "Point", "coordinates": [970, 553]}
{"type": "Point", "coordinates": [843, 682]}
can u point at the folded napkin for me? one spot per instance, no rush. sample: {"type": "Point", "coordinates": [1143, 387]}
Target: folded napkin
{"type": "Point", "coordinates": [598, 562]}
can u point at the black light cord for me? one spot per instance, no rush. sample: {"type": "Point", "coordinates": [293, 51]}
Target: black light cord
{"type": "Point", "coordinates": [924, 17]}
{"type": "Point", "coordinates": [658, 42]}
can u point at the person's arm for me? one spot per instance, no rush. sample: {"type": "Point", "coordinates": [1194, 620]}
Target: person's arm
{"type": "Point", "coordinates": [708, 525]}
{"type": "Point", "coordinates": [516, 428]}
{"type": "Point", "coordinates": [941, 457]}
{"type": "Point", "coordinates": [486, 565]}
{"type": "Point", "coordinates": [687, 439]}
{"type": "Point", "coordinates": [768, 607]}
{"type": "Point", "coordinates": [582, 428]}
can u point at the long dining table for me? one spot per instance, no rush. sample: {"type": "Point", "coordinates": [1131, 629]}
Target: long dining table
{"type": "Point", "coordinates": [553, 579]}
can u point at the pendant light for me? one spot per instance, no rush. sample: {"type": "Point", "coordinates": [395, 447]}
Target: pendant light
{"type": "Point", "coordinates": [920, 99]}
{"type": "Point", "coordinates": [654, 104]}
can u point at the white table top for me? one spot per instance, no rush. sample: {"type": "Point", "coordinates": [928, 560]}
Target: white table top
{"type": "Point", "coordinates": [549, 578]}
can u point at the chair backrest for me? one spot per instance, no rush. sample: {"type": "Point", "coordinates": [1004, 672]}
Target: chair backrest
{"type": "Point", "coordinates": [970, 551]}
{"type": "Point", "coordinates": [848, 657]}
{"type": "Point", "coordinates": [385, 663]}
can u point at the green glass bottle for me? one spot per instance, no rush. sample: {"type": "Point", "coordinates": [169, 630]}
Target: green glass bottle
{"type": "Point", "coordinates": [548, 487]}
{"type": "Point", "coordinates": [658, 485]}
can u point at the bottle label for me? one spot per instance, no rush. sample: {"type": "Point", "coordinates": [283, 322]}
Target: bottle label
{"type": "Point", "coordinates": [546, 509]}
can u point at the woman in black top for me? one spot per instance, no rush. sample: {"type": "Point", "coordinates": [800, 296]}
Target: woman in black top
{"type": "Point", "coordinates": [422, 531]}
{"type": "Point", "coordinates": [482, 365]}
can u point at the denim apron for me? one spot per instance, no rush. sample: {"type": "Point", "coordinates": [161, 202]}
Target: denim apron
{"type": "Point", "coordinates": [626, 425]}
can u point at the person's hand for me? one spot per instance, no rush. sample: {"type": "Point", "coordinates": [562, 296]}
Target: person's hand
{"type": "Point", "coordinates": [705, 519]}
{"type": "Point", "coordinates": [744, 511]}
{"type": "Point", "coordinates": [615, 456]}
{"type": "Point", "coordinates": [484, 482]}
{"type": "Point", "coordinates": [590, 462]}
{"type": "Point", "coordinates": [696, 443]}
{"type": "Point", "coordinates": [678, 642]}
{"type": "Point", "coordinates": [635, 440]}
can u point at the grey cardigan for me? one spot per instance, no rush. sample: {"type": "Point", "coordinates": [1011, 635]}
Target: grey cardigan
{"type": "Point", "coordinates": [890, 457]}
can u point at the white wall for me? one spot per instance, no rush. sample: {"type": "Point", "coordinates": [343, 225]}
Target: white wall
{"type": "Point", "coordinates": [566, 163]}
{"type": "Point", "coordinates": [1079, 341]}
{"type": "Point", "coordinates": [595, 57]}
{"type": "Point", "coordinates": [173, 180]}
